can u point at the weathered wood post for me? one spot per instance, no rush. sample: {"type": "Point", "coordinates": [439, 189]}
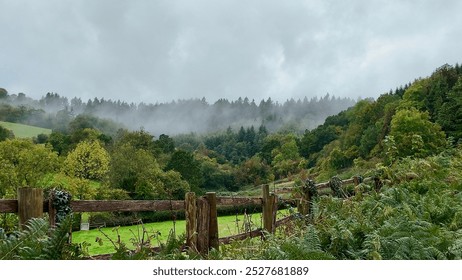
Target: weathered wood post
{"type": "Point", "coordinates": [30, 204]}
{"type": "Point", "coordinates": [266, 211]}
{"type": "Point", "coordinates": [274, 209]}
{"type": "Point", "coordinates": [213, 220]}
{"type": "Point", "coordinates": [203, 224]}
{"type": "Point", "coordinates": [52, 210]}
{"type": "Point", "coordinates": [269, 202]}
{"type": "Point", "coordinates": [356, 180]}
{"type": "Point", "coordinates": [304, 206]}
{"type": "Point", "coordinates": [191, 220]}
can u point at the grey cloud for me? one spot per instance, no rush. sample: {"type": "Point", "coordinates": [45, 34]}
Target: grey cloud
{"type": "Point", "coordinates": [158, 51]}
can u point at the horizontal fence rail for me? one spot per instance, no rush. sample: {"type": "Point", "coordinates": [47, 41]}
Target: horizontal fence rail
{"type": "Point", "coordinates": [8, 206]}
{"type": "Point", "coordinates": [238, 201]}
{"type": "Point", "coordinates": [325, 185]}
{"type": "Point", "coordinates": [11, 205]}
{"type": "Point", "coordinates": [126, 205]}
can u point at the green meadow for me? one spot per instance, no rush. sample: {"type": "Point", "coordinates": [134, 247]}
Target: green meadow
{"type": "Point", "coordinates": [159, 232]}
{"type": "Point", "coordinates": [24, 131]}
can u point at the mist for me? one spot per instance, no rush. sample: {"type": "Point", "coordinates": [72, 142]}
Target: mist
{"type": "Point", "coordinates": [187, 116]}
{"type": "Point", "coordinates": [198, 116]}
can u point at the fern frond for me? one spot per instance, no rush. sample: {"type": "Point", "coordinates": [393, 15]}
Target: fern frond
{"type": "Point", "coordinates": [58, 241]}
{"type": "Point", "coordinates": [38, 242]}
{"type": "Point", "coordinates": [456, 249]}
{"type": "Point", "coordinates": [26, 244]}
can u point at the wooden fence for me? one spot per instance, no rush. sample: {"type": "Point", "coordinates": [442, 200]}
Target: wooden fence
{"type": "Point", "coordinates": [200, 212]}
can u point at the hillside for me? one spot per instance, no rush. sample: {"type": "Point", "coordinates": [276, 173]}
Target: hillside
{"type": "Point", "coordinates": [25, 131]}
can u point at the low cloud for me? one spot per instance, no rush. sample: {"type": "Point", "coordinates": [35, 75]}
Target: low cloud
{"type": "Point", "coordinates": [159, 51]}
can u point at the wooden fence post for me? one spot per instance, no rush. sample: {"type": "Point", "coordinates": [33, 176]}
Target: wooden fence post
{"type": "Point", "coordinates": [30, 204]}
{"type": "Point", "coordinates": [304, 206]}
{"type": "Point", "coordinates": [52, 210]}
{"type": "Point", "coordinates": [274, 211]}
{"type": "Point", "coordinates": [191, 220]}
{"type": "Point", "coordinates": [203, 224]}
{"type": "Point", "coordinates": [213, 220]}
{"type": "Point", "coordinates": [269, 209]}
{"type": "Point", "coordinates": [356, 180]}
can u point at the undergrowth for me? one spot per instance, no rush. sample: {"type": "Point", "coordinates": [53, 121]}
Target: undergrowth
{"type": "Point", "coordinates": [40, 242]}
{"type": "Point", "coordinates": [416, 215]}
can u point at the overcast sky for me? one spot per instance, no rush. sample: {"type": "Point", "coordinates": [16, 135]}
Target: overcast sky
{"type": "Point", "coordinates": [158, 51]}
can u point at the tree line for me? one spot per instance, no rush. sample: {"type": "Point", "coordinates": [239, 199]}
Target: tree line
{"type": "Point", "coordinates": [182, 116]}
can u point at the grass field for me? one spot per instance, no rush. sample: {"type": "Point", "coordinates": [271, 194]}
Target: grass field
{"type": "Point", "coordinates": [24, 131]}
{"type": "Point", "coordinates": [227, 226]}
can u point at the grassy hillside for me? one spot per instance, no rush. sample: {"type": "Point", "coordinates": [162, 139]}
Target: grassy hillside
{"type": "Point", "coordinates": [24, 131]}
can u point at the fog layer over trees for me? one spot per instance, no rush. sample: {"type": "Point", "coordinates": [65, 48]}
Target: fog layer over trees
{"type": "Point", "coordinates": [177, 117]}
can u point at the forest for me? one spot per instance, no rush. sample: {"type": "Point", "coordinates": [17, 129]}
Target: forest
{"type": "Point", "coordinates": [413, 131]}
{"type": "Point", "coordinates": [177, 117]}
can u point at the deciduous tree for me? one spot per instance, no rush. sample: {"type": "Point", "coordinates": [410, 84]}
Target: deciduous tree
{"type": "Point", "coordinates": [89, 160]}
{"type": "Point", "coordinates": [415, 135]}
{"type": "Point", "coordinates": [23, 163]}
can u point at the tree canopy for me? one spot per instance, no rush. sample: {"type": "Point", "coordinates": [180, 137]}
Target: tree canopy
{"type": "Point", "coordinates": [24, 163]}
{"type": "Point", "coordinates": [89, 160]}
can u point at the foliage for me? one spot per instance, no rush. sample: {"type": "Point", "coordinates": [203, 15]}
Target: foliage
{"type": "Point", "coordinates": [313, 142]}
{"type": "Point", "coordinates": [300, 243]}
{"type": "Point", "coordinates": [286, 158]}
{"type": "Point", "coordinates": [61, 202]}
{"type": "Point", "coordinates": [5, 133]}
{"type": "Point", "coordinates": [8, 222]}
{"type": "Point", "coordinates": [451, 112]}
{"type": "Point", "coordinates": [140, 140]}
{"type": "Point", "coordinates": [25, 115]}
{"type": "Point", "coordinates": [89, 160]}
{"type": "Point", "coordinates": [3, 93]}
{"type": "Point", "coordinates": [78, 187]}
{"type": "Point", "coordinates": [184, 163]}
{"type": "Point", "coordinates": [39, 242]}
{"type": "Point", "coordinates": [24, 164]}
{"type": "Point", "coordinates": [137, 172]}
{"type": "Point", "coordinates": [254, 171]}
{"type": "Point", "coordinates": [415, 135]}
{"type": "Point", "coordinates": [418, 219]}
{"type": "Point", "coordinates": [60, 142]}
{"type": "Point", "coordinates": [236, 147]}
{"type": "Point", "coordinates": [174, 185]}
{"type": "Point", "coordinates": [86, 121]}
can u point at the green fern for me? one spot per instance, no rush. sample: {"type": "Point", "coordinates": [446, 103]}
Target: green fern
{"type": "Point", "coordinates": [456, 249]}
{"type": "Point", "coordinates": [26, 244]}
{"type": "Point", "coordinates": [409, 248]}
{"type": "Point", "coordinates": [58, 246]}
{"type": "Point", "coordinates": [39, 242]}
